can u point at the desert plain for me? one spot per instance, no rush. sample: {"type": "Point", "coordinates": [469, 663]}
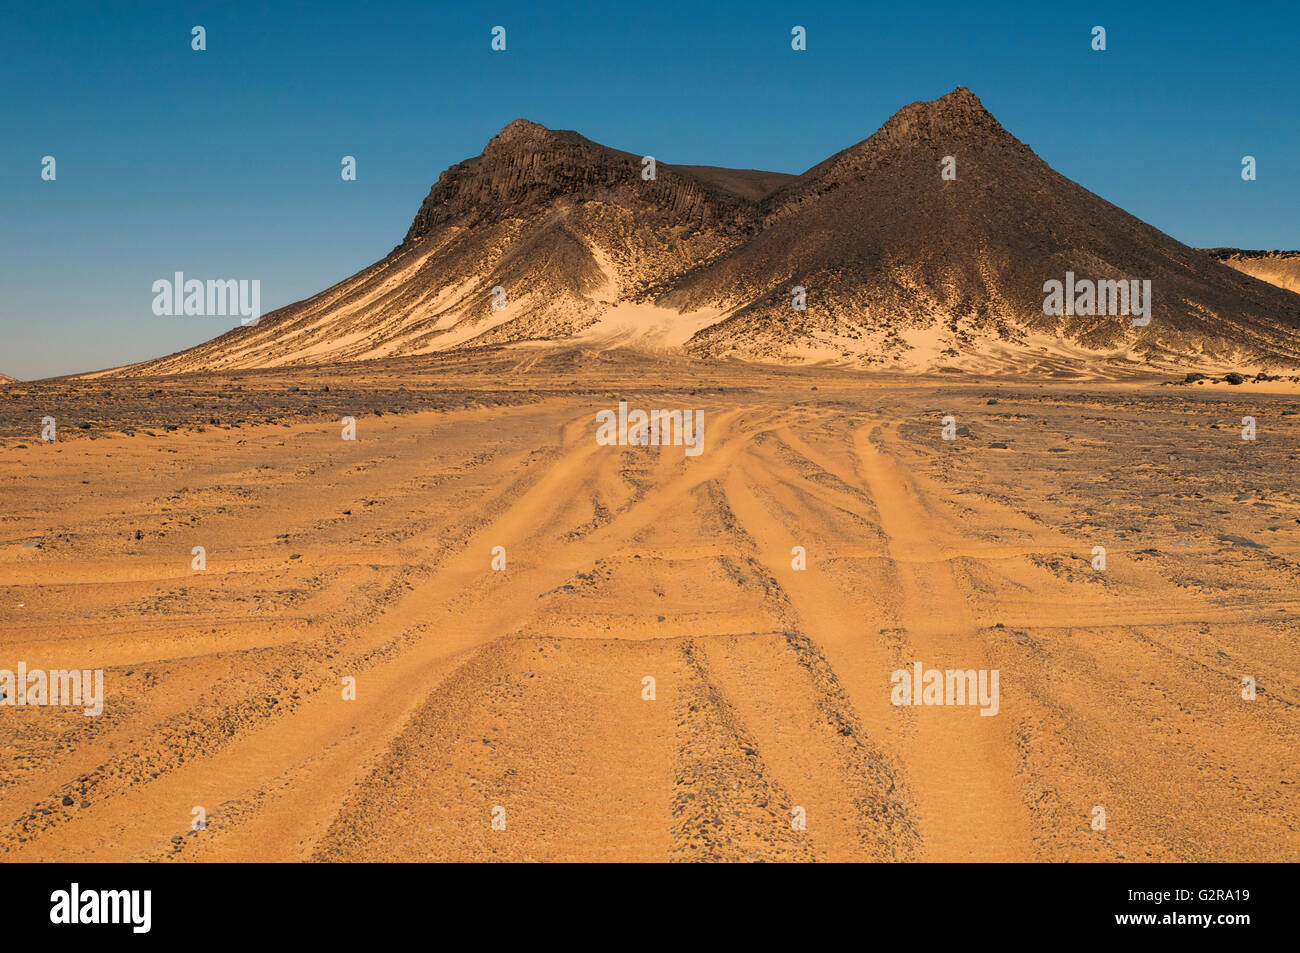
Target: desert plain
{"type": "Point", "coordinates": [519, 694]}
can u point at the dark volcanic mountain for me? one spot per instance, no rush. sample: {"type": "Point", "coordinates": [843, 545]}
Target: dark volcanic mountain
{"type": "Point", "coordinates": [896, 259]}
{"type": "Point", "coordinates": [901, 267]}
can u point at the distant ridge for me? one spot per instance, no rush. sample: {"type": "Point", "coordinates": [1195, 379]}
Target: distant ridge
{"type": "Point", "coordinates": [1281, 268]}
{"type": "Point", "coordinates": [572, 241]}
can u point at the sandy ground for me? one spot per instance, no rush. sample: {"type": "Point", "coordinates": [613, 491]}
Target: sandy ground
{"type": "Point", "coordinates": [519, 693]}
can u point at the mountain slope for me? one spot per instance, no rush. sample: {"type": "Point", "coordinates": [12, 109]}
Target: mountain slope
{"type": "Point", "coordinates": [901, 267]}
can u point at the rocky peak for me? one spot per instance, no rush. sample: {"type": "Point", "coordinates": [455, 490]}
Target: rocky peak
{"type": "Point", "coordinates": [522, 132]}
{"type": "Point", "coordinates": [959, 114]}
{"type": "Point", "coordinates": [526, 169]}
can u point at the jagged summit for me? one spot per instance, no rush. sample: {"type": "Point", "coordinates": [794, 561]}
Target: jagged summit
{"type": "Point", "coordinates": [527, 167]}
{"type": "Point", "coordinates": [521, 129]}
{"type": "Point", "coordinates": [955, 122]}
{"type": "Point", "coordinates": [958, 105]}
{"type": "Point", "coordinates": [956, 115]}
{"type": "Point", "coordinates": [526, 135]}
{"type": "Point", "coordinates": [959, 97]}
{"type": "Point", "coordinates": [548, 236]}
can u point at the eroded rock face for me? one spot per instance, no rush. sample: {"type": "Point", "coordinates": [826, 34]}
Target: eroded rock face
{"type": "Point", "coordinates": [900, 266]}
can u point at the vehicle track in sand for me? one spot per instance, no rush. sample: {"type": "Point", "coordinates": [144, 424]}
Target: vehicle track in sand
{"type": "Point", "coordinates": [522, 689]}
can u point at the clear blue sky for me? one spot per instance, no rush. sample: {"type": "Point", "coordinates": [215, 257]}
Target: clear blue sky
{"type": "Point", "coordinates": [225, 163]}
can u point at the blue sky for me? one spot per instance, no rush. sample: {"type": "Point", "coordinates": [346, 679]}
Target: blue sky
{"type": "Point", "coordinates": [225, 163]}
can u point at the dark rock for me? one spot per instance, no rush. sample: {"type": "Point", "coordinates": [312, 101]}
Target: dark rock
{"type": "Point", "coordinates": [1241, 541]}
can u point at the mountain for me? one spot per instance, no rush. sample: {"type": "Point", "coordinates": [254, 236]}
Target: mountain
{"type": "Point", "coordinates": [1281, 268]}
{"type": "Point", "coordinates": [569, 228]}
{"type": "Point", "coordinates": [901, 267]}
